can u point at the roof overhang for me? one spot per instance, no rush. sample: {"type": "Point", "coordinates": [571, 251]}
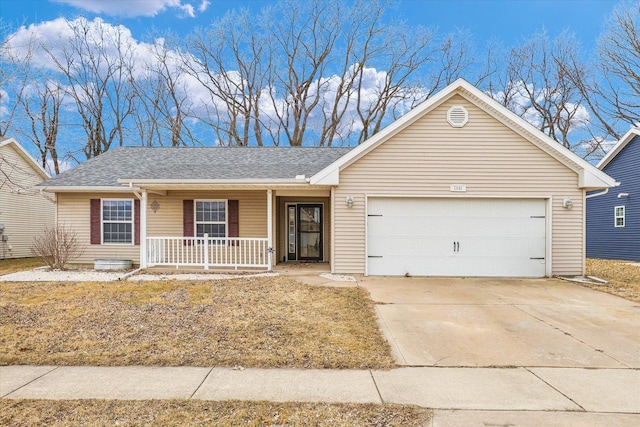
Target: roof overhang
{"type": "Point", "coordinates": [589, 177]}
{"type": "Point", "coordinates": [215, 184]}
{"type": "Point", "coordinates": [26, 156]}
{"type": "Point", "coordinates": [633, 132]}
{"type": "Point", "coordinates": [84, 189]}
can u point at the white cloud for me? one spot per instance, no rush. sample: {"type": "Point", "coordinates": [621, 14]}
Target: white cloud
{"type": "Point", "coordinates": [204, 5]}
{"type": "Point", "coordinates": [130, 9]}
{"type": "Point", "coordinates": [53, 40]}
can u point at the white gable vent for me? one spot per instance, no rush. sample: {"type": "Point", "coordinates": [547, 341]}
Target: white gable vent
{"type": "Point", "coordinates": [457, 116]}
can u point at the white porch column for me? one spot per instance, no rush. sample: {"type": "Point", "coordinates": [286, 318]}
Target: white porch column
{"type": "Point", "coordinates": [143, 229]}
{"type": "Point", "coordinates": [270, 227]}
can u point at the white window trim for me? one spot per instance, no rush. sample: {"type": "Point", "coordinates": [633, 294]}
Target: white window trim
{"type": "Point", "coordinates": [133, 219]}
{"type": "Point", "coordinates": [225, 222]}
{"type": "Point", "coordinates": [616, 217]}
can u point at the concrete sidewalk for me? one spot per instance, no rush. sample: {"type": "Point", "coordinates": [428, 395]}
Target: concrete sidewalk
{"type": "Point", "coordinates": [459, 395]}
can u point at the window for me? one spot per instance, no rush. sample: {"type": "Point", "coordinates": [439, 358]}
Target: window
{"type": "Point", "coordinates": [211, 218]}
{"type": "Point", "coordinates": [117, 221]}
{"type": "Point", "coordinates": [619, 216]}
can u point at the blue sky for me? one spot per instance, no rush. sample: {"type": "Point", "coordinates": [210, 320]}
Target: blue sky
{"type": "Point", "coordinates": [508, 21]}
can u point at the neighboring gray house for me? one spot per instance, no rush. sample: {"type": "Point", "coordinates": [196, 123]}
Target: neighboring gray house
{"type": "Point", "coordinates": [459, 186]}
{"type": "Point", "coordinates": [24, 212]}
{"type": "Point", "coordinates": [613, 219]}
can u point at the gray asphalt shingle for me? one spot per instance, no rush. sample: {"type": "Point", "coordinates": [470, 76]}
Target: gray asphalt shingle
{"type": "Point", "coordinates": [231, 163]}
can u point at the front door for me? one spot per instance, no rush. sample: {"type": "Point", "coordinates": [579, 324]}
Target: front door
{"type": "Point", "coordinates": [305, 232]}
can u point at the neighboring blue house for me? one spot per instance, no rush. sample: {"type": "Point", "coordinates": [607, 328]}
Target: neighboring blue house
{"type": "Point", "coordinates": [613, 219]}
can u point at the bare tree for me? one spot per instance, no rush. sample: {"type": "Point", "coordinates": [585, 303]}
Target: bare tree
{"type": "Point", "coordinates": [164, 102]}
{"type": "Point", "coordinates": [42, 109]}
{"type": "Point", "coordinates": [613, 91]}
{"type": "Point", "coordinates": [97, 64]}
{"type": "Point", "coordinates": [228, 59]}
{"type": "Point", "coordinates": [15, 74]}
{"type": "Point", "coordinates": [315, 73]}
{"type": "Point", "coordinates": [538, 85]}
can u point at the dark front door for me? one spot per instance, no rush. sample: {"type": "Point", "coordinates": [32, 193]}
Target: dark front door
{"type": "Point", "coordinates": [309, 222]}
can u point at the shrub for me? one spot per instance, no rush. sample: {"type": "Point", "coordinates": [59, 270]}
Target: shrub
{"type": "Point", "coordinates": [56, 246]}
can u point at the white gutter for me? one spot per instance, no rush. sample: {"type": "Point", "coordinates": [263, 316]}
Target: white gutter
{"type": "Point", "coordinates": [47, 196]}
{"type": "Point", "coordinates": [601, 193]}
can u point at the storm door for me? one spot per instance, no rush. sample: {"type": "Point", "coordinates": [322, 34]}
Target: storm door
{"type": "Point", "coordinates": [307, 231]}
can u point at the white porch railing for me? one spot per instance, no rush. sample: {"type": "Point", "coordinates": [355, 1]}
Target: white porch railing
{"type": "Point", "coordinates": [208, 252]}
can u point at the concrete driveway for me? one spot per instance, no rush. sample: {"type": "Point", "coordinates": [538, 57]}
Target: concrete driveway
{"type": "Point", "coordinates": [505, 323]}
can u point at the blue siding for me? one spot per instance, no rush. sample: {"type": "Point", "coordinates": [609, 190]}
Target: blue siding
{"type": "Point", "coordinates": [603, 239]}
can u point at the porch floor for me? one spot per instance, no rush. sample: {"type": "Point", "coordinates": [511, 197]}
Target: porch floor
{"type": "Point", "coordinates": [294, 268]}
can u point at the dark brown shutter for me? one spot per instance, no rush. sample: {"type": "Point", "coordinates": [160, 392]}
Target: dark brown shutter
{"type": "Point", "coordinates": [233, 221]}
{"type": "Point", "coordinates": [136, 221]}
{"type": "Point", "coordinates": [187, 218]}
{"type": "Point", "coordinates": [95, 222]}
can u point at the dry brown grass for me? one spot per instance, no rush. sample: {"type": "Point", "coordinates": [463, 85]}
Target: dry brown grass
{"type": "Point", "coordinates": [8, 266]}
{"type": "Point", "coordinates": [253, 322]}
{"type": "Point", "coordinates": [197, 413]}
{"type": "Point", "coordinates": [623, 277]}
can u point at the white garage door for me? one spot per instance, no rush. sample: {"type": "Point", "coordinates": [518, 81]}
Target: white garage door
{"type": "Point", "coordinates": [456, 237]}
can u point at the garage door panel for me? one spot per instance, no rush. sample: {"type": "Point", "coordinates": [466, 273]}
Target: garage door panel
{"type": "Point", "coordinates": [456, 237]}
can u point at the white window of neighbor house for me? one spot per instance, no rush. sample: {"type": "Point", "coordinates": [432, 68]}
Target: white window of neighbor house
{"type": "Point", "coordinates": [619, 216]}
{"type": "Point", "coordinates": [117, 221]}
{"type": "Point", "coordinates": [211, 218]}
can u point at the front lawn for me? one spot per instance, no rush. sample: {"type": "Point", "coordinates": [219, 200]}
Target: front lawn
{"type": "Point", "coordinates": [623, 277]}
{"type": "Point", "coordinates": [263, 322]}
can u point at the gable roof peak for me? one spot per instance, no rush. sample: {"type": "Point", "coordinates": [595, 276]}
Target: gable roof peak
{"type": "Point", "coordinates": [632, 133]}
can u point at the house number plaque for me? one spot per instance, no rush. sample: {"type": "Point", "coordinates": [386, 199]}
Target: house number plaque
{"type": "Point", "coordinates": [458, 188]}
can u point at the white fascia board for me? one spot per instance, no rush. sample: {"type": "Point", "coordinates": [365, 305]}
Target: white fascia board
{"type": "Point", "coordinates": [180, 184]}
{"type": "Point", "coordinates": [326, 177]}
{"type": "Point", "coordinates": [85, 189]}
{"type": "Point", "coordinates": [633, 132]}
{"type": "Point", "coordinates": [25, 155]}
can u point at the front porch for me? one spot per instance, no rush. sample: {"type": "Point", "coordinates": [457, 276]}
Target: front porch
{"type": "Point", "coordinates": [252, 230]}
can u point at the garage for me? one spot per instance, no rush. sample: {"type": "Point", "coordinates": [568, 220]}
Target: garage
{"type": "Point", "coordinates": [456, 237]}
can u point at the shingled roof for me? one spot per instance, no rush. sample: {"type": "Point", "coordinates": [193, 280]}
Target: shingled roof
{"type": "Point", "coordinates": [197, 163]}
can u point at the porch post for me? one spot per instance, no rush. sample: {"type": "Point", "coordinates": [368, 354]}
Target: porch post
{"type": "Point", "coordinates": [270, 227]}
{"type": "Point", "coordinates": [143, 230]}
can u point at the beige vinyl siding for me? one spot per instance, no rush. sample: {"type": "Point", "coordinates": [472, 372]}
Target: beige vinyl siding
{"type": "Point", "coordinates": [486, 156]}
{"type": "Point", "coordinates": [74, 212]}
{"type": "Point", "coordinates": [24, 212]}
{"type": "Point", "coordinates": [281, 231]}
{"type": "Point", "coordinates": [167, 221]}
{"type": "Point", "coordinates": [73, 209]}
